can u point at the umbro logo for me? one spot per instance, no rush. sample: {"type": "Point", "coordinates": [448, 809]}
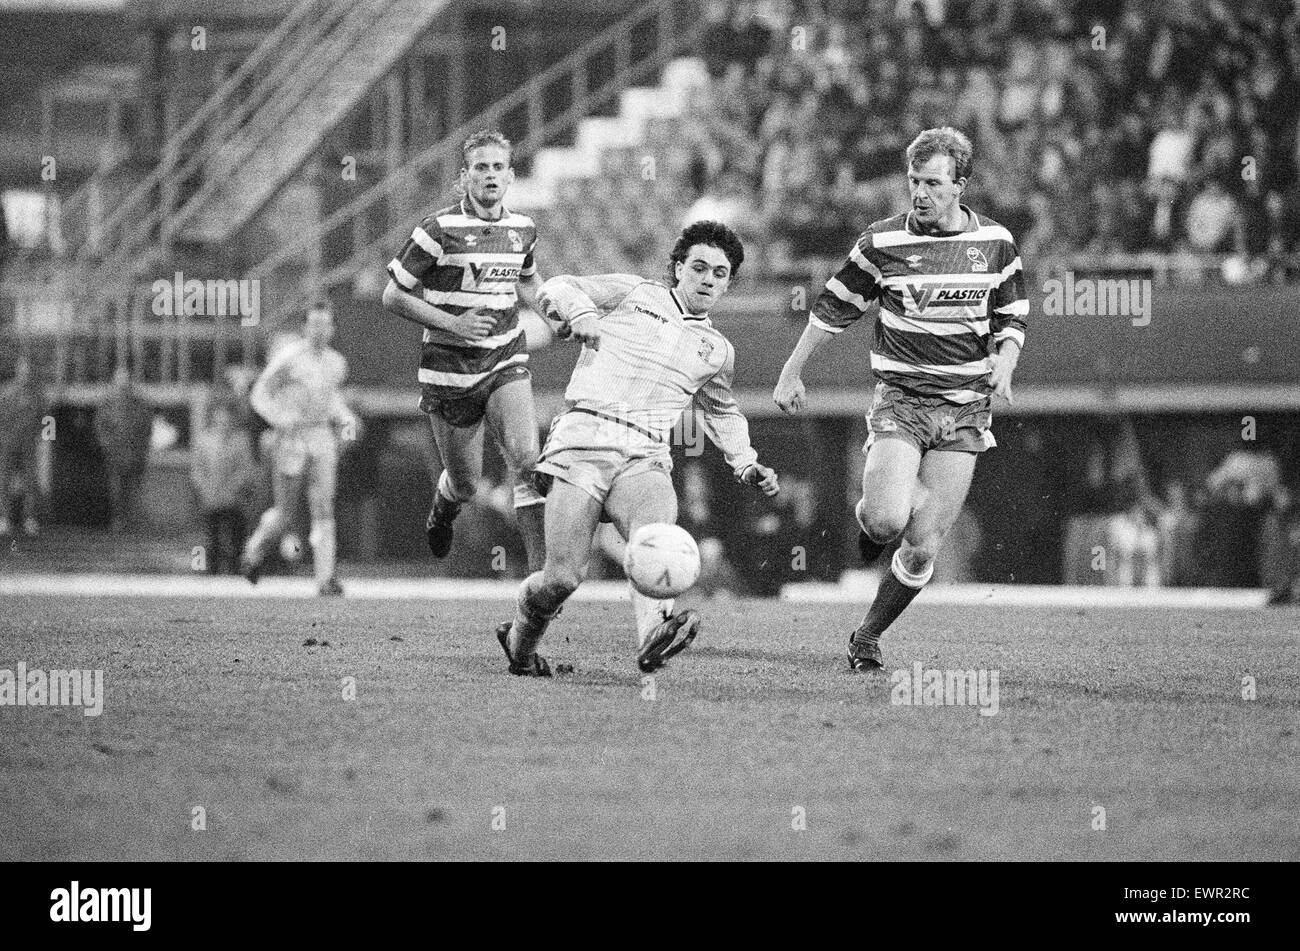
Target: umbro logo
{"type": "Point", "coordinates": [914, 260]}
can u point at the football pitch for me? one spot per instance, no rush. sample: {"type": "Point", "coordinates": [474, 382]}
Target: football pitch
{"type": "Point", "coordinates": [1120, 733]}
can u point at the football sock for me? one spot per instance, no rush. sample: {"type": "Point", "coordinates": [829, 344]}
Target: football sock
{"type": "Point", "coordinates": [897, 589]}
{"type": "Point", "coordinates": [650, 613]}
{"type": "Point", "coordinates": [530, 516]}
{"type": "Point", "coordinates": [269, 528]}
{"type": "Point", "coordinates": [535, 607]}
{"type": "Point", "coordinates": [445, 502]}
{"type": "Point", "coordinates": [868, 548]}
{"type": "Point", "coordinates": [323, 545]}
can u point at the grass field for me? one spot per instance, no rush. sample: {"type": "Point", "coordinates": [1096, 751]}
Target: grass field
{"type": "Point", "coordinates": [219, 705]}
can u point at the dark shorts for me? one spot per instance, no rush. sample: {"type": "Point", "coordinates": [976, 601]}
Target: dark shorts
{"type": "Point", "coordinates": [928, 422]}
{"type": "Point", "coordinates": [466, 407]}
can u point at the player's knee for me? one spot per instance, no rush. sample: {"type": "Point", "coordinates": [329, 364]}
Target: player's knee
{"type": "Point", "coordinates": [881, 525]}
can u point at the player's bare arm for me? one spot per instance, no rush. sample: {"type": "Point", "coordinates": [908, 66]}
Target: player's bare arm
{"type": "Point", "coordinates": [1004, 364]}
{"type": "Point", "coordinates": [474, 324]}
{"type": "Point", "coordinates": [789, 393]}
{"type": "Point", "coordinates": [528, 288]}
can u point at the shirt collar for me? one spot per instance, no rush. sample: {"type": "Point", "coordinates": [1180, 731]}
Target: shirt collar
{"type": "Point", "coordinates": [681, 305]}
{"type": "Point", "coordinates": [972, 223]}
{"type": "Point", "coordinates": [467, 208]}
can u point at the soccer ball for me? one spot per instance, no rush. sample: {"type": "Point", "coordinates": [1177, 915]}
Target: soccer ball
{"type": "Point", "coordinates": [662, 560]}
{"type": "Point", "coordinates": [291, 548]}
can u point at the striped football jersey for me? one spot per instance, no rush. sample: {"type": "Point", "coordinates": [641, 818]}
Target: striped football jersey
{"type": "Point", "coordinates": [946, 302]}
{"type": "Point", "coordinates": [458, 261]}
{"type": "Point", "coordinates": [655, 360]}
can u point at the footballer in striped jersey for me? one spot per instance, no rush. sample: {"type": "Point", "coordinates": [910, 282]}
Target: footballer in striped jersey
{"type": "Point", "coordinates": [649, 353]}
{"type": "Point", "coordinates": [460, 276]}
{"type": "Point", "coordinates": [950, 292]}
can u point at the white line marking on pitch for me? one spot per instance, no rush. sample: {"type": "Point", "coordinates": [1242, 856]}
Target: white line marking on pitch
{"type": "Point", "coordinates": [855, 589]}
{"type": "Point", "coordinates": [203, 586]}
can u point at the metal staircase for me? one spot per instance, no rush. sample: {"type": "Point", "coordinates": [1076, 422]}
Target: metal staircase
{"type": "Point", "coordinates": [260, 154]}
{"type": "Point", "coordinates": [360, 236]}
{"type": "Point", "coordinates": [103, 221]}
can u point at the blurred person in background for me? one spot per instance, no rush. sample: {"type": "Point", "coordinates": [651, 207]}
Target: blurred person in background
{"type": "Point", "coordinates": [23, 406]}
{"type": "Point", "coordinates": [1215, 222]}
{"type": "Point", "coordinates": [4, 240]}
{"type": "Point", "coordinates": [123, 425]}
{"type": "Point", "coordinates": [1133, 538]}
{"type": "Point", "coordinates": [223, 472]}
{"type": "Point", "coordinates": [1176, 524]}
{"type": "Point", "coordinates": [298, 394]}
{"type": "Point", "coordinates": [1239, 494]}
{"type": "Point", "coordinates": [1280, 548]}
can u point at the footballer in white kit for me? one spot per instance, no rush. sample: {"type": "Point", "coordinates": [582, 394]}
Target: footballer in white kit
{"type": "Point", "coordinates": [649, 353]}
{"type": "Point", "coordinates": [298, 395]}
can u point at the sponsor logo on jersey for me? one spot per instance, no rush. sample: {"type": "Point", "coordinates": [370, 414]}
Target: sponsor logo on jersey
{"type": "Point", "coordinates": [947, 295]}
{"type": "Point", "coordinates": [977, 260]}
{"type": "Point", "coordinates": [488, 273]}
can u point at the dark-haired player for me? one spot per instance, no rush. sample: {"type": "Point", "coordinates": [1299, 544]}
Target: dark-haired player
{"type": "Point", "coordinates": [460, 276]}
{"type": "Point", "coordinates": [649, 351]}
{"type": "Point", "coordinates": [951, 294]}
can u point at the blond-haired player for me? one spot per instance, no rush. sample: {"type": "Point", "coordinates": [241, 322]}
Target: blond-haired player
{"type": "Point", "coordinates": [461, 275]}
{"type": "Point", "coordinates": [298, 395]}
{"type": "Point", "coordinates": [649, 353]}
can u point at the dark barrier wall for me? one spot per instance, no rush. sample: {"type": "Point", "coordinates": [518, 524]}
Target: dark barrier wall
{"type": "Point", "coordinates": [1194, 335]}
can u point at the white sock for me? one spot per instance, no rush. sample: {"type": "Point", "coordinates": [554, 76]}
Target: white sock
{"type": "Point", "coordinates": [322, 540]}
{"type": "Point", "coordinates": [919, 580]}
{"type": "Point", "coordinates": [269, 528]}
{"type": "Point", "coordinates": [650, 612]}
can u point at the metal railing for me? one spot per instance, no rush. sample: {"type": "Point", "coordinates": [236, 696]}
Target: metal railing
{"type": "Point", "coordinates": [672, 26]}
{"type": "Point", "coordinates": [86, 202]}
{"type": "Point", "coordinates": [240, 135]}
{"type": "Point", "coordinates": [146, 214]}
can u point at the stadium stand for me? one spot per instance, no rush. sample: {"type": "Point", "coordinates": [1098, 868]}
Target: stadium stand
{"type": "Point", "coordinates": [291, 149]}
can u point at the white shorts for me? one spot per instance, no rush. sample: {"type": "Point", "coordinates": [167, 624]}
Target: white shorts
{"type": "Point", "coordinates": [292, 450]}
{"type": "Point", "coordinates": [592, 452]}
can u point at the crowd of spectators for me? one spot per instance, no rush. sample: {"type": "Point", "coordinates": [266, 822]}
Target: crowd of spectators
{"type": "Point", "coordinates": [1098, 126]}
